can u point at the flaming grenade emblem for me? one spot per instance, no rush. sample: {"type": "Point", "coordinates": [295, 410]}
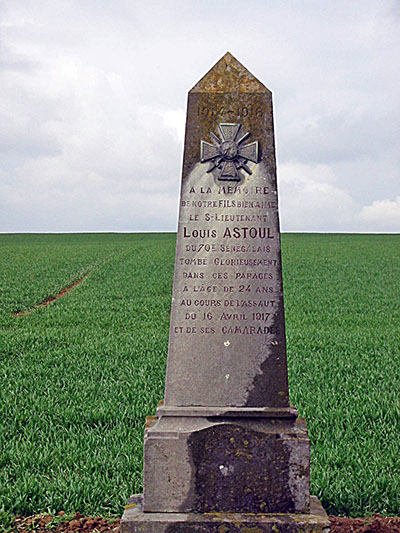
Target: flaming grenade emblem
{"type": "Point", "coordinates": [228, 154]}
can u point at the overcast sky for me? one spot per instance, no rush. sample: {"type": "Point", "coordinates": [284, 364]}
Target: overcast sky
{"type": "Point", "coordinates": [93, 97]}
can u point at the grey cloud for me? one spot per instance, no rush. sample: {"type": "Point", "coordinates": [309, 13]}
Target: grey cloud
{"type": "Point", "coordinates": [86, 90]}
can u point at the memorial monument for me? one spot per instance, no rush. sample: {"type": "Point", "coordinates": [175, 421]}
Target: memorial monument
{"type": "Point", "coordinates": [226, 451]}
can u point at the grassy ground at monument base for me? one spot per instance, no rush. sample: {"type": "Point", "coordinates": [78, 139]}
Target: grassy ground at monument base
{"type": "Point", "coordinates": [78, 376]}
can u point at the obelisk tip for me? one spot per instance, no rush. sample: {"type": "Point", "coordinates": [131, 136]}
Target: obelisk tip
{"type": "Point", "coordinates": [229, 75]}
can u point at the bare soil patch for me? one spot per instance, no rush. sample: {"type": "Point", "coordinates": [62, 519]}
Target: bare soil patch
{"type": "Point", "coordinates": [63, 523]}
{"type": "Point", "coordinates": [51, 299]}
{"type": "Point", "coordinates": [372, 524]}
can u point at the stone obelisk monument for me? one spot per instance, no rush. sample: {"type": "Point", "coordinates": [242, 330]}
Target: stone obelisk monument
{"type": "Point", "coordinates": [226, 451]}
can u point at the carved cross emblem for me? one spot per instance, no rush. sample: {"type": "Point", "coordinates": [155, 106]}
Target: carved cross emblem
{"type": "Point", "coordinates": [227, 153]}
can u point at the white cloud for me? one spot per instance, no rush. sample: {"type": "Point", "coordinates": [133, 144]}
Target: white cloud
{"type": "Point", "coordinates": [310, 199]}
{"type": "Point", "coordinates": [175, 119]}
{"type": "Point", "coordinates": [383, 215]}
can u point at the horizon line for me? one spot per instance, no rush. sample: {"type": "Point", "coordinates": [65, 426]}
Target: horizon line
{"type": "Point", "coordinates": [80, 232]}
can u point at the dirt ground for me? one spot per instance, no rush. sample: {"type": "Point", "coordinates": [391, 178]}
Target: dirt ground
{"type": "Point", "coordinates": [63, 523]}
{"type": "Point", "coordinates": [372, 524]}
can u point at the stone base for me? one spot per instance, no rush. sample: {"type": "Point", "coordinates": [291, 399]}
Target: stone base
{"type": "Point", "coordinates": [134, 520]}
{"type": "Point", "coordinates": [195, 464]}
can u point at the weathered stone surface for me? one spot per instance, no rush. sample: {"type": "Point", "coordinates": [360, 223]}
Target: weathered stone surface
{"type": "Point", "coordinates": [227, 337]}
{"type": "Point", "coordinates": [135, 520]}
{"type": "Point", "coordinates": [226, 465]}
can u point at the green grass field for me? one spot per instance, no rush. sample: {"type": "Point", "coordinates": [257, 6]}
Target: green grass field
{"type": "Point", "coordinates": [78, 377]}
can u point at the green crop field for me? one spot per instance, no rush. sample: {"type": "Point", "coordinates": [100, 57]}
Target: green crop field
{"type": "Point", "coordinates": [78, 376]}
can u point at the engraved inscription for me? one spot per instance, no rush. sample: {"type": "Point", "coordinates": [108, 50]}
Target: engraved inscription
{"type": "Point", "coordinates": [229, 112]}
{"type": "Point", "coordinates": [229, 246]}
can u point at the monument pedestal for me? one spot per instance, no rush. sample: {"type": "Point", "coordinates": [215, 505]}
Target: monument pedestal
{"type": "Point", "coordinates": [134, 520]}
{"type": "Point", "coordinates": [226, 464]}
{"type": "Point", "coordinates": [223, 473]}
